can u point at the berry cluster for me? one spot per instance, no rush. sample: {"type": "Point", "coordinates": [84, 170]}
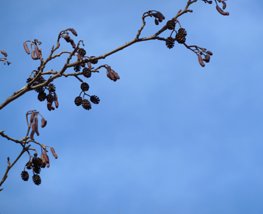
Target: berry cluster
{"type": "Point", "coordinates": [180, 36]}
{"type": "Point", "coordinates": [35, 164]}
{"type": "Point", "coordinates": [48, 93]}
{"type": "Point", "coordinates": [170, 42]}
{"type": "Point", "coordinates": [82, 100]}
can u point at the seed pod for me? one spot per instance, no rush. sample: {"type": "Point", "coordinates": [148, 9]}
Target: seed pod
{"type": "Point", "coordinates": [222, 12]}
{"type": "Point", "coordinates": [3, 53]}
{"type": "Point", "coordinates": [201, 61]}
{"type": "Point", "coordinates": [43, 122]}
{"type": "Point", "coordinates": [53, 152]}
{"type": "Point", "coordinates": [26, 47]}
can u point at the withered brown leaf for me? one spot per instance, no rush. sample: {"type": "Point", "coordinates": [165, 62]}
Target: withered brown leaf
{"type": "Point", "coordinates": [43, 122]}
{"type": "Point", "coordinates": [201, 61]}
{"type": "Point", "coordinates": [4, 53]}
{"type": "Point", "coordinates": [53, 152]}
{"type": "Point", "coordinates": [35, 124]}
{"type": "Point", "coordinates": [32, 134]}
{"type": "Point", "coordinates": [221, 11]}
{"type": "Point", "coordinates": [38, 52]}
{"type": "Point", "coordinates": [73, 31]}
{"type": "Point", "coordinates": [45, 157]}
{"type": "Point", "coordinates": [26, 47]}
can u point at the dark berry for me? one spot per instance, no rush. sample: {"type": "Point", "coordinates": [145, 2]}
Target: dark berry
{"type": "Point", "coordinates": [169, 42]}
{"type": "Point", "coordinates": [82, 52]}
{"type": "Point", "coordinates": [41, 96]}
{"type": "Point", "coordinates": [51, 87]}
{"type": "Point", "coordinates": [29, 165]}
{"type": "Point", "coordinates": [78, 101]}
{"type": "Point", "coordinates": [84, 86]}
{"type": "Point", "coordinates": [36, 179]}
{"type": "Point", "coordinates": [86, 104]}
{"type": "Point", "coordinates": [29, 80]}
{"type": "Point", "coordinates": [77, 68]}
{"type": "Point", "coordinates": [93, 60]}
{"type": "Point", "coordinates": [170, 24]}
{"type": "Point", "coordinates": [95, 99]}
{"type": "Point", "coordinates": [37, 169]}
{"type": "Point", "coordinates": [24, 175]}
{"type": "Point", "coordinates": [50, 98]}
{"type": "Point", "coordinates": [86, 72]}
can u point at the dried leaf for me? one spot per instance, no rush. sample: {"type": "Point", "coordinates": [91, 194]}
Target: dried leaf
{"type": "Point", "coordinates": [32, 134]}
{"type": "Point", "coordinates": [56, 101]}
{"type": "Point", "coordinates": [3, 53]}
{"type": "Point", "coordinates": [73, 31]}
{"type": "Point", "coordinates": [210, 53]}
{"type": "Point", "coordinates": [207, 58]}
{"type": "Point", "coordinates": [33, 55]}
{"type": "Point", "coordinates": [201, 61]}
{"type": "Point", "coordinates": [222, 12]}
{"type": "Point", "coordinates": [53, 152]}
{"type": "Point", "coordinates": [35, 124]}
{"type": "Point", "coordinates": [224, 5]}
{"type": "Point", "coordinates": [50, 107]}
{"type": "Point", "coordinates": [45, 157]}
{"type": "Point", "coordinates": [26, 47]}
{"type": "Point", "coordinates": [111, 74]}
{"type": "Point", "coordinates": [32, 117]}
{"type": "Point", "coordinates": [38, 52]}
{"type": "Point", "coordinates": [43, 122]}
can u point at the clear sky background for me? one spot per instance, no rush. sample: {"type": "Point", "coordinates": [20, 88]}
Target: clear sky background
{"type": "Point", "coordinates": [169, 137]}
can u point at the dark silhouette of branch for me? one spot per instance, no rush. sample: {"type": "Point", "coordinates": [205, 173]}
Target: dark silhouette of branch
{"type": "Point", "coordinates": [42, 80]}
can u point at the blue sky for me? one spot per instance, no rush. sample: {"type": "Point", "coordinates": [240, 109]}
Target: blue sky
{"type": "Point", "coordinates": [169, 137]}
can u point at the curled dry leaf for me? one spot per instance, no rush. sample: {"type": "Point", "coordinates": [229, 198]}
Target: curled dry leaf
{"type": "Point", "coordinates": [4, 53]}
{"type": "Point", "coordinates": [111, 74]}
{"type": "Point", "coordinates": [32, 117]}
{"type": "Point", "coordinates": [38, 52]}
{"type": "Point", "coordinates": [34, 55]}
{"type": "Point", "coordinates": [221, 11]}
{"type": "Point", "coordinates": [207, 58]}
{"type": "Point", "coordinates": [45, 157]}
{"type": "Point", "coordinates": [53, 152]}
{"type": "Point", "coordinates": [224, 5]}
{"type": "Point", "coordinates": [32, 134]}
{"type": "Point", "coordinates": [26, 47]}
{"type": "Point", "coordinates": [73, 31]}
{"type": "Point", "coordinates": [35, 124]}
{"type": "Point", "coordinates": [43, 122]}
{"type": "Point", "coordinates": [56, 101]}
{"type": "Point", "coordinates": [201, 61]}
{"type": "Point", "coordinates": [210, 53]}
